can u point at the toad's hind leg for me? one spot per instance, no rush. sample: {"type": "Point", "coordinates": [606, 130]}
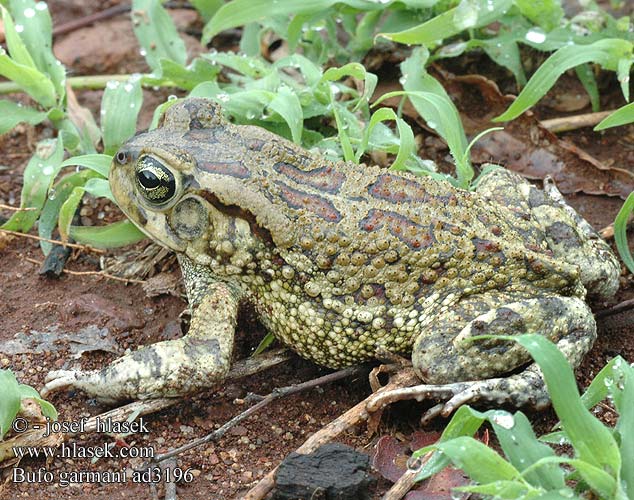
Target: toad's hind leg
{"type": "Point", "coordinates": [465, 369]}
{"type": "Point", "coordinates": [568, 235]}
{"type": "Point", "coordinates": [170, 368]}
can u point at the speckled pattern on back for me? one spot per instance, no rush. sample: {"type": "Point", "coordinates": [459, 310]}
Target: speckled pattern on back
{"type": "Point", "coordinates": [343, 259]}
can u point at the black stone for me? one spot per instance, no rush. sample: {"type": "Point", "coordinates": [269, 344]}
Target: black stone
{"type": "Point", "coordinates": [333, 471]}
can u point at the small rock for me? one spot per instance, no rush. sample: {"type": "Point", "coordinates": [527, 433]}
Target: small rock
{"type": "Point", "coordinates": [333, 471]}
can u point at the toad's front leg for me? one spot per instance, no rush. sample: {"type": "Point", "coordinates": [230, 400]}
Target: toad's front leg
{"type": "Point", "coordinates": [167, 369]}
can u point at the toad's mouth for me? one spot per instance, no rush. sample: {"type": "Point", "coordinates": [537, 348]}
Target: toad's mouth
{"type": "Point", "coordinates": [152, 223]}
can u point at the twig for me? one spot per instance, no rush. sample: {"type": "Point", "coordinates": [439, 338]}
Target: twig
{"type": "Point", "coordinates": [170, 486]}
{"type": "Point", "coordinates": [58, 242]}
{"type": "Point", "coordinates": [240, 369]}
{"type": "Point", "coordinates": [626, 305]}
{"type": "Point", "coordinates": [90, 19]}
{"type": "Point", "coordinates": [407, 481]}
{"type": "Point", "coordinates": [93, 82]}
{"type": "Point", "coordinates": [350, 418]}
{"type": "Point", "coordinates": [566, 123]}
{"type": "Point", "coordinates": [607, 233]}
{"type": "Point", "coordinates": [16, 209]}
{"type": "Point", "coordinates": [89, 273]}
{"type": "Point", "coordinates": [276, 394]}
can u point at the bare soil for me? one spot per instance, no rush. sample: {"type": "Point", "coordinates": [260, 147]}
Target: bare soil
{"type": "Point", "coordinates": [33, 305]}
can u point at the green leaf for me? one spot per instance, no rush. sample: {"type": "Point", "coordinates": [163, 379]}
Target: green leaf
{"type": "Point", "coordinates": [593, 442]}
{"type": "Point", "coordinates": [12, 113]}
{"type": "Point", "coordinates": [480, 462]}
{"type": "Point", "coordinates": [29, 79]}
{"type": "Point", "coordinates": [207, 8]}
{"type": "Point", "coordinates": [589, 82]}
{"type": "Point", "coordinates": [407, 145]}
{"type": "Point", "coordinates": [625, 426]}
{"type": "Point", "coordinates": [117, 234]}
{"type": "Point", "coordinates": [620, 227]}
{"type": "Point", "coordinates": [99, 163]}
{"type": "Point", "coordinates": [622, 116]}
{"type": "Point", "coordinates": [37, 35]}
{"type": "Point", "coordinates": [9, 400]}
{"type": "Point", "coordinates": [468, 14]}
{"type": "Point", "coordinates": [242, 12]}
{"type": "Point", "coordinates": [67, 211]}
{"type": "Point", "coordinates": [17, 48]}
{"type": "Point", "coordinates": [287, 105]}
{"type": "Point", "coordinates": [156, 33]}
{"type": "Point", "coordinates": [522, 449]}
{"type": "Point", "coordinates": [433, 103]}
{"type": "Point", "coordinates": [500, 489]}
{"type": "Point", "coordinates": [268, 339]}
{"type": "Point", "coordinates": [188, 77]}
{"type": "Point", "coordinates": [606, 53]}
{"type": "Point", "coordinates": [544, 13]}
{"type": "Point", "coordinates": [38, 177]}
{"type": "Point", "coordinates": [465, 422]}
{"type": "Point", "coordinates": [597, 391]}
{"type": "Point", "coordinates": [120, 107]}
{"type": "Point", "coordinates": [57, 195]}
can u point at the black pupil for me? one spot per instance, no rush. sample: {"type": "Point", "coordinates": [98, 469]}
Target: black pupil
{"type": "Point", "coordinates": [148, 179]}
{"type": "Point", "coordinates": [122, 157]}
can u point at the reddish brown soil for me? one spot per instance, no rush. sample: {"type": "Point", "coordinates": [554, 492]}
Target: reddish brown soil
{"type": "Point", "coordinates": [29, 302]}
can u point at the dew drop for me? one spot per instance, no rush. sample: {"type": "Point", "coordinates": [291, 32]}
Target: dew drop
{"type": "Point", "coordinates": [41, 6]}
{"type": "Point", "coordinates": [19, 28]}
{"type": "Point", "coordinates": [29, 13]}
{"type": "Point", "coordinates": [47, 170]}
{"type": "Point", "coordinates": [52, 194]}
{"type": "Point", "coordinates": [504, 420]}
{"type": "Point", "coordinates": [414, 463]}
{"type": "Point", "coordinates": [112, 84]}
{"type": "Point", "coordinates": [143, 52]}
{"type": "Point", "coordinates": [172, 97]}
{"type": "Point", "coordinates": [223, 97]}
{"type": "Point", "coordinates": [536, 35]}
{"type": "Point", "coordinates": [128, 87]}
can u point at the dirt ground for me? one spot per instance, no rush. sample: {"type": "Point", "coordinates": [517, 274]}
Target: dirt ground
{"type": "Point", "coordinates": [106, 314]}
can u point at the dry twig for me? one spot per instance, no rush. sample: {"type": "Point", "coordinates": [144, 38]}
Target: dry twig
{"type": "Point", "coordinates": [89, 273]}
{"type": "Point", "coordinates": [58, 242]}
{"type": "Point", "coordinates": [626, 305]}
{"type": "Point", "coordinates": [276, 394]}
{"type": "Point", "coordinates": [16, 209]}
{"type": "Point", "coordinates": [567, 123]}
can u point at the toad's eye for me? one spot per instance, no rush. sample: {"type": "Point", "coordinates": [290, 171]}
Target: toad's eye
{"type": "Point", "coordinates": [156, 181]}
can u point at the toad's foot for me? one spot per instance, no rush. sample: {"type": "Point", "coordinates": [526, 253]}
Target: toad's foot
{"type": "Point", "coordinates": [167, 369]}
{"type": "Point", "coordinates": [459, 368]}
{"type": "Point", "coordinates": [500, 391]}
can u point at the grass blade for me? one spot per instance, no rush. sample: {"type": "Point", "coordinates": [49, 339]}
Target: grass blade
{"type": "Point", "coordinates": [157, 34]}
{"type": "Point", "coordinates": [592, 441]}
{"type": "Point", "coordinates": [120, 107]}
{"type": "Point", "coordinates": [606, 52]}
{"type": "Point", "coordinates": [468, 14]}
{"type": "Point", "coordinates": [56, 197]}
{"type": "Point", "coordinates": [38, 38]}
{"type": "Point", "coordinates": [620, 228]}
{"type": "Point", "coordinates": [38, 176]}
{"type": "Point", "coordinates": [622, 116]}
{"type": "Point", "coordinates": [117, 234]}
{"type": "Point", "coordinates": [12, 113]}
{"type": "Point", "coordinates": [99, 163]}
{"type": "Point", "coordinates": [10, 400]}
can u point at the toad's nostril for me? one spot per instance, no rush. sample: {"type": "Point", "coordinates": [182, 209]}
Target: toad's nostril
{"type": "Point", "coordinates": [122, 157]}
